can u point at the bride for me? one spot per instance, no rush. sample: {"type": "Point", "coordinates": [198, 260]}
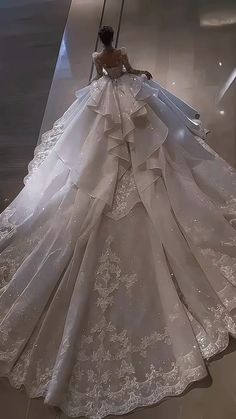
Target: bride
{"type": "Point", "coordinates": [118, 257]}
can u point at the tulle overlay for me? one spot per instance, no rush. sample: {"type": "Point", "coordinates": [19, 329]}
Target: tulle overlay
{"type": "Point", "coordinates": [118, 258]}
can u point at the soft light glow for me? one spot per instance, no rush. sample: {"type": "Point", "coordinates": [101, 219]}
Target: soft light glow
{"type": "Point", "coordinates": [222, 112]}
{"type": "Point", "coordinates": [63, 67]}
{"type": "Point", "coordinates": [180, 133]}
{"type": "Point", "coordinates": [224, 14]}
{"type": "Point", "coordinates": [220, 63]}
{"type": "Point", "coordinates": [173, 83]}
{"type": "Point", "coordinates": [227, 85]}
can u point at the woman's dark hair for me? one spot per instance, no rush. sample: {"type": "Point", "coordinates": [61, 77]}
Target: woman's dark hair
{"type": "Point", "coordinates": [106, 34]}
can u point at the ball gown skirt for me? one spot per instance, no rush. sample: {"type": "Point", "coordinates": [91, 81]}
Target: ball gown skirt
{"type": "Point", "coordinates": [118, 257]}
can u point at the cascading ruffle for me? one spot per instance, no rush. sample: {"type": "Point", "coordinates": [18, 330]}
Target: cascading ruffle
{"type": "Point", "coordinates": [115, 130]}
{"type": "Point", "coordinates": [121, 122]}
{"type": "Point", "coordinates": [123, 104]}
{"type": "Point", "coordinates": [51, 137]}
{"type": "Point", "coordinates": [128, 109]}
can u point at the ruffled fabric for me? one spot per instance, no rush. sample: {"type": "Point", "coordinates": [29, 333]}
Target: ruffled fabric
{"type": "Point", "coordinates": [51, 137]}
{"type": "Point", "coordinates": [123, 106]}
{"type": "Point", "coordinates": [122, 247]}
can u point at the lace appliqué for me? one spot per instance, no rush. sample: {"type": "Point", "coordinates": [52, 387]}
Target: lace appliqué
{"type": "Point", "coordinates": [18, 375]}
{"type": "Point", "coordinates": [126, 196]}
{"type": "Point", "coordinates": [213, 335]}
{"type": "Point", "coordinates": [109, 277]}
{"type": "Point", "coordinates": [198, 231]}
{"type": "Point", "coordinates": [7, 228]}
{"type": "Point", "coordinates": [225, 263]}
{"type": "Point", "coordinates": [106, 353]}
{"type": "Point", "coordinates": [48, 141]}
{"type": "Point", "coordinates": [106, 378]}
{"type": "Point", "coordinates": [13, 256]}
{"type": "Point", "coordinates": [229, 209]}
{"type": "Point", "coordinates": [228, 299]}
{"type": "Point", "coordinates": [8, 355]}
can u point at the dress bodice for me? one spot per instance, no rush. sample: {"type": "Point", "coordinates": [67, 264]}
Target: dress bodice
{"type": "Point", "coordinates": [113, 72]}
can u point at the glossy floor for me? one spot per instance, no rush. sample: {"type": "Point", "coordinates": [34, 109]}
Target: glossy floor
{"type": "Point", "coordinates": [30, 37]}
{"type": "Point", "coordinates": [189, 46]}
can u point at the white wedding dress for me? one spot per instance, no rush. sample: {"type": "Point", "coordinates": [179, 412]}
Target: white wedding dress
{"type": "Point", "coordinates": [118, 257]}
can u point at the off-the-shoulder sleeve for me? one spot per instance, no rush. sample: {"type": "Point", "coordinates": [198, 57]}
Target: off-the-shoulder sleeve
{"type": "Point", "coordinates": [97, 62]}
{"type": "Point", "coordinates": [123, 51]}
{"type": "Point", "coordinates": [94, 55]}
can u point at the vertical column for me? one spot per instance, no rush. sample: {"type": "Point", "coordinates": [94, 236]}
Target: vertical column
{"type": "Point", "coordinates": [74, 59]}
{"type": "Point", "coordinates": [74, 65]}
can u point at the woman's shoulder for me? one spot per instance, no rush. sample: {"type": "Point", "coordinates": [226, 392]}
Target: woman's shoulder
{"type": "Point", "coordinates": [123, 50]}
{"type": "Point", "coordinates": [97, 57]}
{"type": "Point", "coordinates": [96, 54]}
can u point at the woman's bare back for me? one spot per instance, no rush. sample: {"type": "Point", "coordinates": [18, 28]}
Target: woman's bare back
{"type": "Point", "coordinates": [110, 57]}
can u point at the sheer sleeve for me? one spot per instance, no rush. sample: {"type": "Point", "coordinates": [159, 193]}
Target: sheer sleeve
{"type": "Point", "coordinates": [98, 64]}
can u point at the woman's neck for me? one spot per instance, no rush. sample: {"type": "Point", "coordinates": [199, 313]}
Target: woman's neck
{"type": "Point", "coordinates": [108, 47]}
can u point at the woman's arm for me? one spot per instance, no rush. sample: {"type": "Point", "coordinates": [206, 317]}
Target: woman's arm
{"type": "Point", "coordinates": [132, 70]}
{"type": "Point", "coordinates": [98, 66]}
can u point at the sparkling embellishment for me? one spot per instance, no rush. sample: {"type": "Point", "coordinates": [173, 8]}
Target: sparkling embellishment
{"type": "Point", "coordinates": [6, 227]}
{"type": "Point", "coordinates": [9, 354]}
{"type": "Point", "coordinates": [48, 141]}
{"type": "Point", "coordinates": [225, 263]}
{"type": "Point", "coordinates": [126, 196]}
{"type": "Point", "coordinates": [119, 364]}
{"type": "Point", "coordinates": [107, 352]}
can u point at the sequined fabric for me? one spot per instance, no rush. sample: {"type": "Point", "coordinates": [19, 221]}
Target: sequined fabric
{"type": "Point", "coordinates": [121, 248]}
{"type": "Point", "coordinates": [125, 197]}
